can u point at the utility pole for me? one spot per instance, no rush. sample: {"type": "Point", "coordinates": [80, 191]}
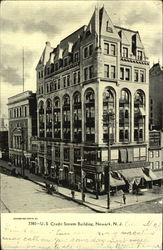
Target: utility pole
{"type": "Point", "coordinates": [82, 177]}
{"type": "Point", "coordinates": [108, 170]}
{"type": "Point", "coordinates": [82, 181]}
{"type": "Point", "coordinates": [108, 117]}
{"type": "Point", "coordinates": [22, 142]}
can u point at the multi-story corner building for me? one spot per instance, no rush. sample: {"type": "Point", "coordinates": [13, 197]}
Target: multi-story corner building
{"type": "Point", "coordinates": [156, 154]}
{"type": "Point", "coordinates": [99, 68]}
{"type": "Point", "coordinates": [22, 126]}
{"type": "Point", "coordinates": [156, 97]}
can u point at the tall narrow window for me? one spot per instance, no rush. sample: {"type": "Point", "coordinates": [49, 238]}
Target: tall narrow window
{"type": "Point", "coordinates": [85, 74]}
{"type": "Point", "coordinates": [106, 48]}
{"type": "Point", "coordinates": [57, 118]}
{"type": "Point", "coordinates": [127, 74]}
{"type": "Point", "coordinates": [77, 117]}
{"type": "Point", "coordinates": [106, 70]}
{"type": "Point", "coordinates": [112, 52]}
{"type": "Point", "coordinates": [136, 75]}
{"type": "Point", "coordinates": [140, 55]}
{"type": "Point", "coordinates": [108, 107]}
{"type": "Point", "coordinates": [112, 72]}
{"type": "Point", "coordinates": [125, 52]}
{"type": "Point", "coordinates": [90, 116]}
{"type": "Point", "coordinates": [122, 73]}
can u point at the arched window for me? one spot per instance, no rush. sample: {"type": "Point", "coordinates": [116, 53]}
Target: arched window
{"type": "Point", "coordinates": [41, 119]}
{"type": "Point", "coordinates": [66, 117]}
{"type": "Point", "coordinates": [49, 118]}
{"type": "Point", "coordinates": [90, 115]}
{"type": "Point", "coordinates": [57, 118]}
{"type": "Point", "coordinates": [139, 115]}
{"type": "Point", "coordinates": [109, 114]}
{"type": "Point", "coordinates": [124, 116]}
{"type": "Point", "coordinates": [139, 98]}
{"type": "Point", "coordinates": [77, 117]}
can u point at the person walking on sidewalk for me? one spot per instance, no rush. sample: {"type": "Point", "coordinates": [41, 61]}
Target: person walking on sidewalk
{"type": "Point", "coordinates": [124, 198]}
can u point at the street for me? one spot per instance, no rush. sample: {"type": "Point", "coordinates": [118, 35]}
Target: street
{"type": "Point", "coordinates": [155, 206]}
{"type": "Point", "coordinates": [23, 196]}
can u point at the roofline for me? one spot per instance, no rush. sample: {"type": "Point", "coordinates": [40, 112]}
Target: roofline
{"type": "Point", "coordinates": [125, 29]}
{"type": "Point", "coordinates": [73, 33]}
{"type": "Point", "coordinates": [20, 94]}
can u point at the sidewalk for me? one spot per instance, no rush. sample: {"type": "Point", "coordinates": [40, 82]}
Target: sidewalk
{"type": "Point", "coordinates": [97, 205]}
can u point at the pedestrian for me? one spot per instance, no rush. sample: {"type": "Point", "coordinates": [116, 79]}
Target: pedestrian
{"type": "Point", "coordinates": [124, 198]}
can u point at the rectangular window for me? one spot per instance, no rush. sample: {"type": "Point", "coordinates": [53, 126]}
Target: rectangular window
{"type": "Point", "coordinates": [136, 75]}
{"type": "Point", "coordinates": [76, 57]}
{"type": "Point", "coordinates": [65, 62]}
{"type": "Point", "coordinates": [77, 155]}
{"type": "Point", "coordinates": [90, 72]}
{"type": "Point", "coordinates": [90, 49]}
{"type": "Point", "coordinates": [64, 81]}
{"type": "Point", "coordinates": [127, 77]}
{"type": "Point", "coordinates": [85, 52]}
{"type": "Point", "coordinates": [112, 52]}
{"type": "Point", "coordinates": [85, 74]}
{"type": "Point", "coordinates": [152, 165]}
{"type": "Point", "coordinates": [58, 83]}
{"type": "Point", "coordinates": [157, 164]}
{"type": "Point", "coordinates": [122, 73]}
{"type": "Point", "coordinates": [142, 76]}
{"type": "Point", "coordinates": [112, 72]}
{"type": "Point", "coordinates": [75, 77]}
{"type": "Point", "coordinates": [157, 153]}
{"type": "Point", "coordinates": [106, 70]}
{"type": "Point", "coordinates": [121, 135]}
{"type": "Point", "coordinates": [140, 55]}
{"type": "Point", "coordinates": [78, 76]}
{"type": "Point", "coordinates": [151, 154]}
{"type": "Point", "coordinates": [125, 52]}
{"type": "Point", "coordinates": [106, 48]}
{"type": "Point", "coordinates": [57, 153]}
{"type": "Point", "coordinates": [66, 154]}
{"type": "Point", "coordinates": [126, 134]}
{"type": "Point", "coordinates": [68, 80]}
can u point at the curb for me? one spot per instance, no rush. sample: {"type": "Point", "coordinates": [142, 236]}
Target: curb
{"type": "Point", "coordinates": [105, 210]}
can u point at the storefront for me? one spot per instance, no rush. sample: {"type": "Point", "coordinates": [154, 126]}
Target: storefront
{"type": "Point", "coordinates": [133, 178]}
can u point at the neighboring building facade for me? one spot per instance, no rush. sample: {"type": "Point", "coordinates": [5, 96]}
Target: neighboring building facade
{"type": "Point", "coordinates": [22, 126]}
{"type": "Point", "coordinates": [156, 97]}
{"type": "Point", "coordinates": [3, 140]}
{"type": "Point", "coordinates": [97, 69]}
{"type": "Point", "coordinates": [156, 153]}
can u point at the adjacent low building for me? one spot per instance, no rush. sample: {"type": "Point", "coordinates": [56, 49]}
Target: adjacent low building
{"type": "Point", "coordinates": [156, 155]}
{"type": "Point", "coordinates": [22, 126]}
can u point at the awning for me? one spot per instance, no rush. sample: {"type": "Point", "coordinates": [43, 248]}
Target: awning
{"type": "Point", "coordinates": [123, 155]}
{"type": "Point", "coordinates": [147, 178]}
{"type": "Point", "coordinates": [153, 176]}
{"type": "Point", "coordinates": [115, 182]}
{"type": "Point", "coordinates": [132, 174]}
{"type": "Point", "coordinates": [130, 154]}
{"type": "Point", "coordinates": [159, 174]}
{"type": "Point", "coordinates": [142, 112]}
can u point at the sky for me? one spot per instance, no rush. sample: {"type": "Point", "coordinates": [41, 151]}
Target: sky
{"type": "Point", "coordinates": [29, 24]}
